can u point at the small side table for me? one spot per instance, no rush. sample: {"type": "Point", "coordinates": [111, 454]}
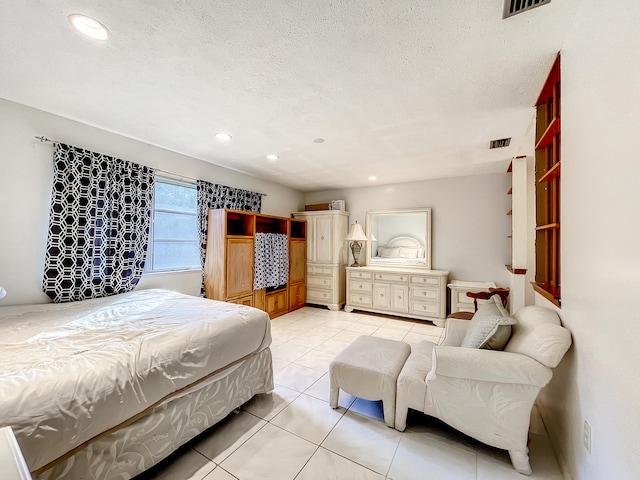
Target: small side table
{"type": "Point", "coordinates": [459, 300]}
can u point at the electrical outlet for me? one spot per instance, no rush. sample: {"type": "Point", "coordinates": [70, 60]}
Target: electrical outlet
{"type": "Point", "coordinates": [586, 436]}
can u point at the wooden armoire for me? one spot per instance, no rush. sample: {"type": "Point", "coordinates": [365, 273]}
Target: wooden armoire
{"type": "Point", "coordinates": [229, 263]}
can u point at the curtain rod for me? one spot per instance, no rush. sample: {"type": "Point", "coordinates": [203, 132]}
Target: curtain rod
{"type": "Point", "coordinates": [44, 139]}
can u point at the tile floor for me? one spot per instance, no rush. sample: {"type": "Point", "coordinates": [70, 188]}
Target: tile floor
{"type": "Point", "coordinates": [292, 433]}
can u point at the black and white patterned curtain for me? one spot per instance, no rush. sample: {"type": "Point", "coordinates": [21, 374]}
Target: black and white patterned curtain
{"type": "Point", "coordinates": [212, 196]}
{"type": "Point", "coordinates": [98, 226]}
{"type": "Point", "coordinates": [271, 260]}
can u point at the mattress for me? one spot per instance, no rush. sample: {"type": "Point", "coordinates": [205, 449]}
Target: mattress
{"type": "Point", "coordinates": [73, 371]}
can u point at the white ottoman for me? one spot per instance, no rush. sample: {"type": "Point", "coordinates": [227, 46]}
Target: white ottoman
{"type": "Point", "coordinates": [369, 368]}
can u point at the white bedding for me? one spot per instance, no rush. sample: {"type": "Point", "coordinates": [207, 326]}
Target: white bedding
{"type": "Point", "coordinates": [73, 371]}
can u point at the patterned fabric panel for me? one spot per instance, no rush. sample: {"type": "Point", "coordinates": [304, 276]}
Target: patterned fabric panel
{"type": "Point", "coordinates": [98, 225]}
{"type": "Point", "coordinates": [213, 196]}
{"type": "Point", "coordinates": [271, 261]}
{"type": "Point", "coordinates": [137, 447]}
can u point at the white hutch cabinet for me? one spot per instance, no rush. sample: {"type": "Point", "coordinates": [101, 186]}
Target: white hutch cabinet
{"type": "Point", "coordinates": [326, 256]}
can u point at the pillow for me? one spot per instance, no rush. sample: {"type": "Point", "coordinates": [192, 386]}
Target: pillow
{"type": "Point", "coordinates": [490, 326]}
{"type": "Point", "coordinates": [408, 252]}
{"type": "Point", "coordinates": [421, 252]}
{"type": "Point", "coordinates": [389, 252]}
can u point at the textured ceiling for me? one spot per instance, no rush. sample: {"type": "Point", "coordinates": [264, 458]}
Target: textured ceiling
{"type": "Point", "coordinates": [404, 90]}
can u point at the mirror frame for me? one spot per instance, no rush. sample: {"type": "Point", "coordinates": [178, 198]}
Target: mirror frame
{"type": "Point", "coordinates": [400, 212]}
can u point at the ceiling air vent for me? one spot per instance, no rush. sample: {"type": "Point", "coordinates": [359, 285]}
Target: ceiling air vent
{"type": "Point", "coordinates": [502, 142]}
{"type": "Point", "coordinates": [513, 7]}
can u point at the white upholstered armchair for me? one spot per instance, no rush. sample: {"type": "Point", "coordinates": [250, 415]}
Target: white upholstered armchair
{"type": "Point", "coordinates": [486, 394]}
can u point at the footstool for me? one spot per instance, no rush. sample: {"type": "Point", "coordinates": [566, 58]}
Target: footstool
{"type": "Point", "coordinates": [369, 368]}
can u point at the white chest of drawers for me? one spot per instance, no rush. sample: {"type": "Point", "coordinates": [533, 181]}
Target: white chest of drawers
{"type": "Point", "coordinates": [406, 292]}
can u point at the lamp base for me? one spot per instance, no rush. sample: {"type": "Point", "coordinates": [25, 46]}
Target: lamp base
{"type": "Point", "coordinates": [356, 247]}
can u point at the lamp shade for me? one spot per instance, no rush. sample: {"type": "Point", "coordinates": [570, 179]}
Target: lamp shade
{"type": "Point", "coordinates": [3, 292]}
{"type": "Point", "coordinates": [356, 234]}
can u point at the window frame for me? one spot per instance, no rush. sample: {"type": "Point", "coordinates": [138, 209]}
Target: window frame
{"type": "Point", "coordinates": [149, 263]}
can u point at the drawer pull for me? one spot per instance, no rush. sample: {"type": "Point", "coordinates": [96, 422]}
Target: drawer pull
{"type": "Point", "coordinates": [382, 295]}
{"type": "Point", "coordinates": [322, 237]}
{"type": "Point", "coordinates": [361, 286]}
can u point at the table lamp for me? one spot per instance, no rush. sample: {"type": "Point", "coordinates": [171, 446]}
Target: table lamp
{"type": "Point", "coordinates": [356, 236]}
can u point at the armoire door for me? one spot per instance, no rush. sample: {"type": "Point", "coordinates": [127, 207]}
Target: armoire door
{"type": "Point", "coordinates": [298, 264]}
{"type": "Point", "coordinates": [324, 239]}
{"type": "Point", "coordinates": [239, 267]}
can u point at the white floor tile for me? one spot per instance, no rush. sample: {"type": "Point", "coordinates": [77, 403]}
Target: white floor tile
{"type": "Point", "coordinates": [311, 341]}
{"type": "Point", "coordinates": [427, 328]}
{"type": "Point", "coordinates": [278, 363]}
{"type": "Point", "coordinates": [398, 325]}
{"type": "Point", "coordinates": [271, 454]}
{"type": "Point", "coordinates": [326, 465]}
{"type": "Point", "coordinates": [414, 338]}
{"type": "Point", "coordinates": [496, 464]}
{"type": "Point", "coordinates": [268, 405]}
{"type": "Point", "coordinates": [365, 441]}
{"type": "Point", "coordinates": [426, 456]}
{"type": "Point", "coordinates": [281, 336]}
{"type": "Point", "coordinates": [321, 388]}
{"type": "Point", "coordinates": [297, 377]}
{"type": "Point", "coordinates": [326, 332]}
{"type": "Point", "coordinates": [223, 439]}
{"type": "Point", "coordinates": [347, 336]}
{"type": "Point", "coordinates": [389, 333]}
{"type": "Point", "coordinates": [362, 328]}
{"type": "Point", "coordinates": [309, 418]}
{"type": "Point", "coordinates": [219, 474]}
{"type": "Point", "coordinates": [316, 360]}
{"type": "Point", "coordinates": [340, 324]}
{"type": "Point", "coordinates": [334, 345]}
{"type": "Point", "coordinates": [186, 464]}
{"type": "Point", "coordinates": [376, 321]}
{"type": "Point", "coordinates": [289, 352]}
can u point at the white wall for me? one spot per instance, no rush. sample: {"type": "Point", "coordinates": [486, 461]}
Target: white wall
{"type": "Point", "coordinates": [598, 381]}
{"type": "Point", "coordinates": [25, 189]}
{"type": "Point", "coordinates": [469, 224]}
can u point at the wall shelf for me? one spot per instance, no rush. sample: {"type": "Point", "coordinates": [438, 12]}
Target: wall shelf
{"type": "Point", "coordinates": [549, 134]}
{"type": "Point", "coordinates": [552, 174]}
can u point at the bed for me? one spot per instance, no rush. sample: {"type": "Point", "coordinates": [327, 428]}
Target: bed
{"type": "Point", "coordinates": [402, 250]}
{"type": "Point", "coordinates": [106, 388]}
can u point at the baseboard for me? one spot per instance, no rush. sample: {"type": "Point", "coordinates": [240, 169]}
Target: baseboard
{"type": "Point", "coordinates": [557, 451]}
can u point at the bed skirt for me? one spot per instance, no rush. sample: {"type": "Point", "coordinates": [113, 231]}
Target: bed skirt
{"type": "Point", "coordinates": [135, 448]}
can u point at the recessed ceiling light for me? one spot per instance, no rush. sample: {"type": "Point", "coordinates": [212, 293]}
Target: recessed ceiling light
{"type": "Point", "coordinates": [89, 27]}
{"type": "Point", "coordinates": [271, 156]}
{"type": "Point", "coordinates": [225, 137]}
{"type": "Point", "coordinates": [372, 177]}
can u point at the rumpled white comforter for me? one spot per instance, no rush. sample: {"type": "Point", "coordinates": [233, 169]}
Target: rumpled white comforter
{"type": "Point", "coordinates": [69, 372]}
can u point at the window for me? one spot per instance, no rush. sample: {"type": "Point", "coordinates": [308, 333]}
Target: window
{"type": "Point", "coordinates": [548, 188]}
{"type": "Point", "coordinates": [174, 243]}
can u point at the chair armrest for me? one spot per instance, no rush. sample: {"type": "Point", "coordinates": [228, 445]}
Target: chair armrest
{"type": "Point", "coordinates": [454, 331]}
{"type": "Point", "coordinates": [487, 366]}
